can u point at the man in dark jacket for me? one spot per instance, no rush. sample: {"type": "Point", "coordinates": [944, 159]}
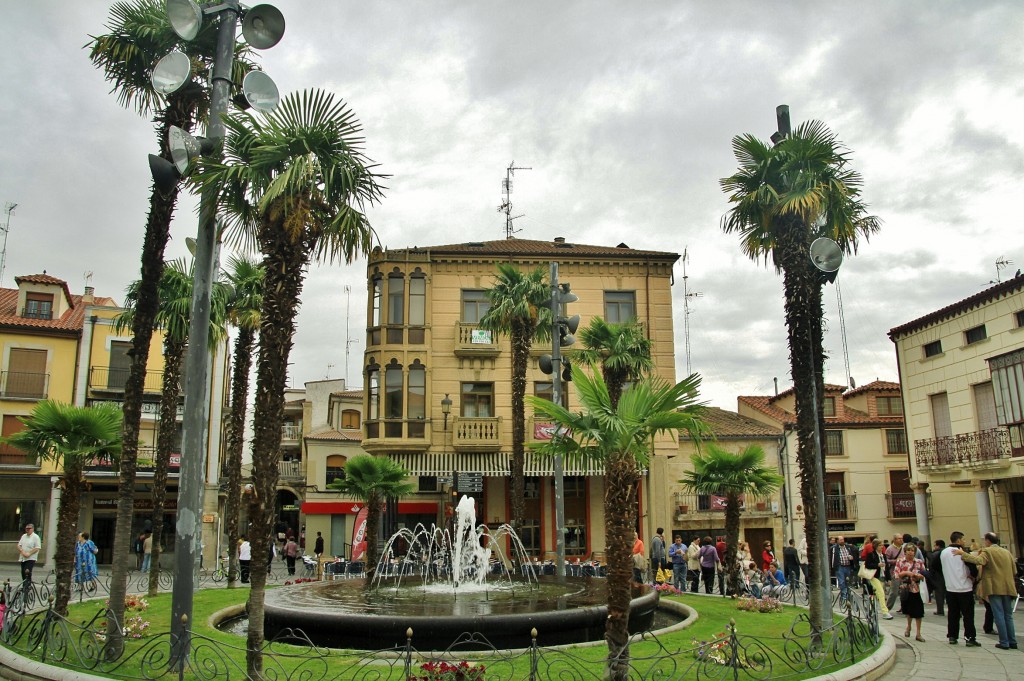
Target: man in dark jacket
{"type": "Point", "coordinates": [843, 562]}
{"type": "Point", "coordinates": [791, 563]}
{"type": "Point", "coordinates": [935, 567]}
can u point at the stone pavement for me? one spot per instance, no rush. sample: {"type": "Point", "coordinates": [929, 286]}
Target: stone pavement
{"type": "Point", "coordinates": [936, 659]}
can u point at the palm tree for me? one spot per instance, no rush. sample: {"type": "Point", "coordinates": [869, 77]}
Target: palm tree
{"type": "Point", "coordinates": [721, 472]}
{"type": "Point", "coordinates": [138, 35]}
{"type": "Point", "coordinates": [173, 317]}
{"type": "Point", "coordinates": [295, 181]}
{"type": "Point", "coordinates": [619, 437]}
{"type": "Point", "coordinates": [518, 309]}
{"type": "Point", "coordinates": [70, 437]}
{"type": "Point", "coordinates": [374, 480]}
{"type": "Point", "coordinates": [783, 197]}
{"type": "Point", "coordinates": [246, 279]}
{"type": "Point", "coordinates": [622, 350]}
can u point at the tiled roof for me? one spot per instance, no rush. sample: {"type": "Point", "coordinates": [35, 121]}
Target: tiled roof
{"type": "Point", "coordinates": [764, 404]}
{"type": "Point", "coordinates": [875, 387]}
{"type": "Point", "coordinates": [849, 415]}
{"type": "Point", "coordinates": [357, 392]}
{"type": "Point", "coordinates": [69, 322]}
{"type": "Point", "coordinates": [725, 424]}
{"type": "Point", "coordinates": [45, 278]}
{"type": "Point", "coordinates": [829, 388]}
{"type": "Point", "coordinates": [526, 247]}
{"type": "Point", "coordinates": [977, 300]}
{"type": "Point", "coordinates": [331, 434]}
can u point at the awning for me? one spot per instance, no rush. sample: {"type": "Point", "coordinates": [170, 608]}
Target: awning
{"type": "Point", "coordinates": [352, 507]}
{"type": "Point", "coordinates": [490, 464]}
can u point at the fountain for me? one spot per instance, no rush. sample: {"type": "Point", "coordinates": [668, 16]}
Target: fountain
{"type": "Point", "coordinates": [446, 582]}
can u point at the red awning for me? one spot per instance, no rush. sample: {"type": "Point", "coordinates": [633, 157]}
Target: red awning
{"type": "Point", "coordinates": [352, 507]}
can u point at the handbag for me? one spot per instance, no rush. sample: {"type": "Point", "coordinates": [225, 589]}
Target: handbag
{"type": "Point", "coordinates": [865, 572]}
{"type": "Point", "coordinates": [639, 561]}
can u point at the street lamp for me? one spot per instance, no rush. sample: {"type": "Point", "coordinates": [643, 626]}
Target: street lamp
{"type": "Point", "coordinates": [446, 409]}
{"type": "Point", "coordinates": [262, 27]}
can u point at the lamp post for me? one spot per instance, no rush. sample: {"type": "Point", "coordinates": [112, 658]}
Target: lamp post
{"type": "Point", "coordinates": [263, 27]}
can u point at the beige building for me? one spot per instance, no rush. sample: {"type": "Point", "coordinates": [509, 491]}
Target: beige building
{"type": "Point", "coordinates": [962, 370]}
{"type": "Point", "coordinates": [426, 354]}
{"type": "Point", "coordinates": [700, 515]}
{"type": "Point", "coordinates": [867, 475]}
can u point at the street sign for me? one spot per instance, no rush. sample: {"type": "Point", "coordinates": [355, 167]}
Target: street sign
{"type": "Point", "coordinates": [471, 482]}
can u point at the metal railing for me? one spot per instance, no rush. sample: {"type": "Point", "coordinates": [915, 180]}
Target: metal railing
{"type": "Point", "coordinates": [291, 432]}
{"type": "Point", "coordinates": [113, 379]}
{"type": "Point", "coordinates": [841, 506]}
{"type": "Point", "coordinates": [24, 384]}
{"type": "Point", "coordinates": [290, 470]}
{"type": "Point", "coordinates": [710, 504]}
{"type": "Point", "coordinates": [904, 504]}
{"type": "Point", "coordinates": [966, 448]}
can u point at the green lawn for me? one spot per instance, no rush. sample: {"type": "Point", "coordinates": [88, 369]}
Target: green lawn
{"type": "Point", "coordinates": [649, 657]}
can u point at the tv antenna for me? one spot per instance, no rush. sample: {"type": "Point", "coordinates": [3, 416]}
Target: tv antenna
{"type": "Point", "coordinates": [506, 200]}
{"type": "Point", "coordinates": [9, 208]}
{"type": "Point", "coordinates": [1002, 262]}
{"type": "Point", "coordinates": [687, 294]}
{"type": "Point", "coordinates": [348, 340]}
{"type": "Point", "coordinates": [329, 367]}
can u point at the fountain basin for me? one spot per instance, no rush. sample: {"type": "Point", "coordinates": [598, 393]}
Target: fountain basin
{"type": "Point", "coordinates": [347, 614]}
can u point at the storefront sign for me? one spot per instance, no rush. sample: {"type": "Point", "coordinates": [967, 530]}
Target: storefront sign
{"type": "Point", "coordinates": [842, 527]}
{"type": "Point", "coordinates": [141, 504]}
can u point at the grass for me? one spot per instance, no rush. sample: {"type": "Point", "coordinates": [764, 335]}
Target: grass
{"type": "Point", "coordinates": [714, 616]}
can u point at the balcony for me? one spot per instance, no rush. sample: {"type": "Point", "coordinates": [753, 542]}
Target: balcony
{"type": "Point", "coordinates": [476, 434]}
{"type": "Point", "coordinates": [396, 435]}
{"type": "Point", "coordinates": [24, 385]}
{"type": "Point", "coordinates": [291, 433]}
{"type": "Point", "coordinates": [146, 466]}
{"type": "Point", "coordinates": [113, 379]}
{"type": "Point", "coordinates": [472, 341]}
{"type": "Point", "coordinates": [707, 506]}
{"type": "Point", "coordinates": [967, 449]}
{"type": "Point", "coordinates": [291, 470]}
{"type": "Point", "coordinates": [903, 505]}
{"type": "Point", "coordinates": [841, 506]}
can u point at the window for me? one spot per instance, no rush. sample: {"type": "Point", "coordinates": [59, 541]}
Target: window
{"type": "Point", "coordinates": [335, 468]}
{"type": "Point", "coordinates": [426, 484]}
{"type": "Point", "coordinates": [26, 374]}
{"type": "Point", "coordinates": [531, 534]}
{"type": "Point", "coordinates": [895, 441]}
{"type": "Point", "coordinates": [575, 488]}
{"type": "Point", "coordinates": [902, 503]}
{"type": "Point", "coordinates": [396, 308]}
{"type": "Point", "coordinates": [477, 400]}
{"type": "Point", "coordinates": [619, 306]}
{"type": "Point", "coordinates": [373, 403]}
{"type": "Point", "coordinates": [543, 390]}
{"type": "Point", "coordinates": [417, 396]}
{"type": "Point", "coordinates": [889, 406]}
{"type": "Point", "coordinates": [16, 513]}
{"type": "Point", "coordinates": [38, 306]}
{"type": "Point", "coordinates": [833, 443]}
{"type": "Point", "coordinates": [933, 348]}
{"type": "Point", "coordinates": [1019, 317]}
{"type": "Point", "coordinates": [474, 305]}
{"type": "Point", "coordinates": [8, 454]}
{"type": "Point", "coordinates": [975, 335]}
{"type": "Point", "coordinates": [835, 496]}
{"type": "Point", "coordinates": [120, 365]}
{"type": "Point", "coordinates": [829, 406]}
{"type": "Point", "coordinates": [417, 308]}
{"type": "Point", "coordinates": [350, 419]}
{"type": "Point", "coordinates": [393, 380]}
{"type": "Point", "coordinates": [376, 293]}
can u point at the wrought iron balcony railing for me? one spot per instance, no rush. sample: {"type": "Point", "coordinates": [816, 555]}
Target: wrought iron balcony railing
{"type": "Point", "coordinates": [904, 504]}
{"type": "Point", "coordinates": [113, 379]}
{"type": "Point", "coordinates": [841, 506]}
{"type": "Point", "coordinates": [966, 448]}
{"type": "Point", "coordinates": [702, 505]}
{"type": "Point", "coordinates": [24, 385]}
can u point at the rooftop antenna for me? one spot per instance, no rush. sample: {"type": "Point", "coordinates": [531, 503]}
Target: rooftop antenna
{"type": "Point", "coordinates": [1002, 262]}
{"type": "Point", "coordinates": [348, 340]}
{"type": "Point", "coordinates": [328, 376]}
{"type": "Point", "coordinates": [506, 201]}
{"type": "Point", "coordinates": [88, 278]}
{"type": "Point", "coordinates": [687, 294]}
{"type": "Point", "coordinates": [9, 208]}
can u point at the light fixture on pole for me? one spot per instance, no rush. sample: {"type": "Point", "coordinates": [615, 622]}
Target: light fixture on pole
{"type": "Point", "coordinates": [171, 73]}
{"type": "Point", "coordinates": [186, 18]}
{"type": "Point", "coordinates": [446, 409]}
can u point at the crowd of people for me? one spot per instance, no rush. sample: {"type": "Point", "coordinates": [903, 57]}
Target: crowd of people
{"type": "Point", "coordinates": [901, 573]}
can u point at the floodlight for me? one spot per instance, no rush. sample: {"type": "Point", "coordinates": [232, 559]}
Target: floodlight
{"type": "Point", "coordinates": [185, 148]}
{"type": "Point", "coordinates": [171, 72]}
{"type": "Point", "coordinates": [165, 175]}
{"type": "Point", "coordinates": [186, 17]}
{"type": "Point", "coordinates": [260, 91]}
{"type": "Point", "coordinates": [263, 26]}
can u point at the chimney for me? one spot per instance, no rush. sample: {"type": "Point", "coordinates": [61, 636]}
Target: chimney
{"type": "Point", "coordinates": [559, 239]}
{"type": "Point", "coordinates": [87, 297]}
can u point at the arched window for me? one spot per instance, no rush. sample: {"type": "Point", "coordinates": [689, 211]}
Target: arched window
{"type": "Point", "coordinates": [393, 402]}
{"type": "Point", "coordinates": [396, 307]}
{"type": "Point", "coordinates": [417, 307]}
{"type": "Point", "coordinates": [417, 398]}
{"type": "Point", "coordinates": [373, 405]}
{"type": "Point", "coordinates": [376, 295]}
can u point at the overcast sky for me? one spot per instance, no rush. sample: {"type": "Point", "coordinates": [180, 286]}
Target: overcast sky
{"type": "Point", "coordinates": [623, 111]}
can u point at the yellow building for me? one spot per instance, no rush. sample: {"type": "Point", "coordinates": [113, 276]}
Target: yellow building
{"type": "Point", "coordinates": [703, 515]}
{"type": "Point", "coordinates": [867, 475]}
{"type": "Point", "coordinates": [962, 369]}
{"type": "Point", "coordinates": [41, 324]}
{"type": "Point", "coordinates": [424, 346]}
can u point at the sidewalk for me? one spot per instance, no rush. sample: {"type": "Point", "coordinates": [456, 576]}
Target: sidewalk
{"type": "Point", "coordinates": [937, 659]}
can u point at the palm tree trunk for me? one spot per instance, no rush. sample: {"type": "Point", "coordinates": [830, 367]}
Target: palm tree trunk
{"type": "Point", "coordinates": [173, 352]}
{"type": "Point", "coordinates": [732, 538]}
{"type": "Point", "coordinates": [373, 505]}
{"type": "Point", "coordinates": [180, 112]}
{"type": "Point", "coordinates": [67, 521]}
{"type": "Point", "coordinates": [802, 287]}
{"type": "Point", "coordinates": [236, 431]}
{"type": "Point", "coordinates": [520, 357]}
{"type": "Point", "coordinates": [620, 523]}
{"type": "Point", "coordinates": [284, 262]}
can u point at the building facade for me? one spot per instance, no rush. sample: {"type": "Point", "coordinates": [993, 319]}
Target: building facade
{"type": "Point", "coordinates": [867, 474]}
{"type": "Point", "coordinates": [962, 370]}
{"type": "Point", "coordinates": [438, 387]}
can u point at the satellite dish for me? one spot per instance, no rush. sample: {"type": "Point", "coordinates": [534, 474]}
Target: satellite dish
{"type": "Point", "coordinates": [186, 17]}
{"type": "Point", "coordinates": [826, 254]}
{"type": "Point", "coordinates": [185, 148]}
{"type": "Point", "coordinates": [171, 72]}
{"type": "Point", "coordinates": [260, 91]}
{"type": "Point", "coordinates": [263, 26]}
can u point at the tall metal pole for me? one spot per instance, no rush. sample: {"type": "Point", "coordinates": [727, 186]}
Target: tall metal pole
{"type": "Point", "coordinates": [556, 397]}
{"type": "Point", "coordinates": [188, 529]}
{"type": "Point", "coordinates": [821, 522]}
